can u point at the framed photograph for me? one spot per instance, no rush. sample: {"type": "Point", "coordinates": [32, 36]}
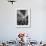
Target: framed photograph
{"type": "Point", "coordinates": [23, 17]}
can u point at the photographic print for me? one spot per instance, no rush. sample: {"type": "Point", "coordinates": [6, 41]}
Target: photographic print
{"type": "Point", "coordinates": [23, 17]}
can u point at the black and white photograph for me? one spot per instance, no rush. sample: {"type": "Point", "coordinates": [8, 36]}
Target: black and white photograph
{"type": "Point", "coordinates": [23, 17]}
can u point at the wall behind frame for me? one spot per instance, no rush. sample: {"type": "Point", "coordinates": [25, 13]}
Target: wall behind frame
{"type": "Point", "coordinates": [8, 28]}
